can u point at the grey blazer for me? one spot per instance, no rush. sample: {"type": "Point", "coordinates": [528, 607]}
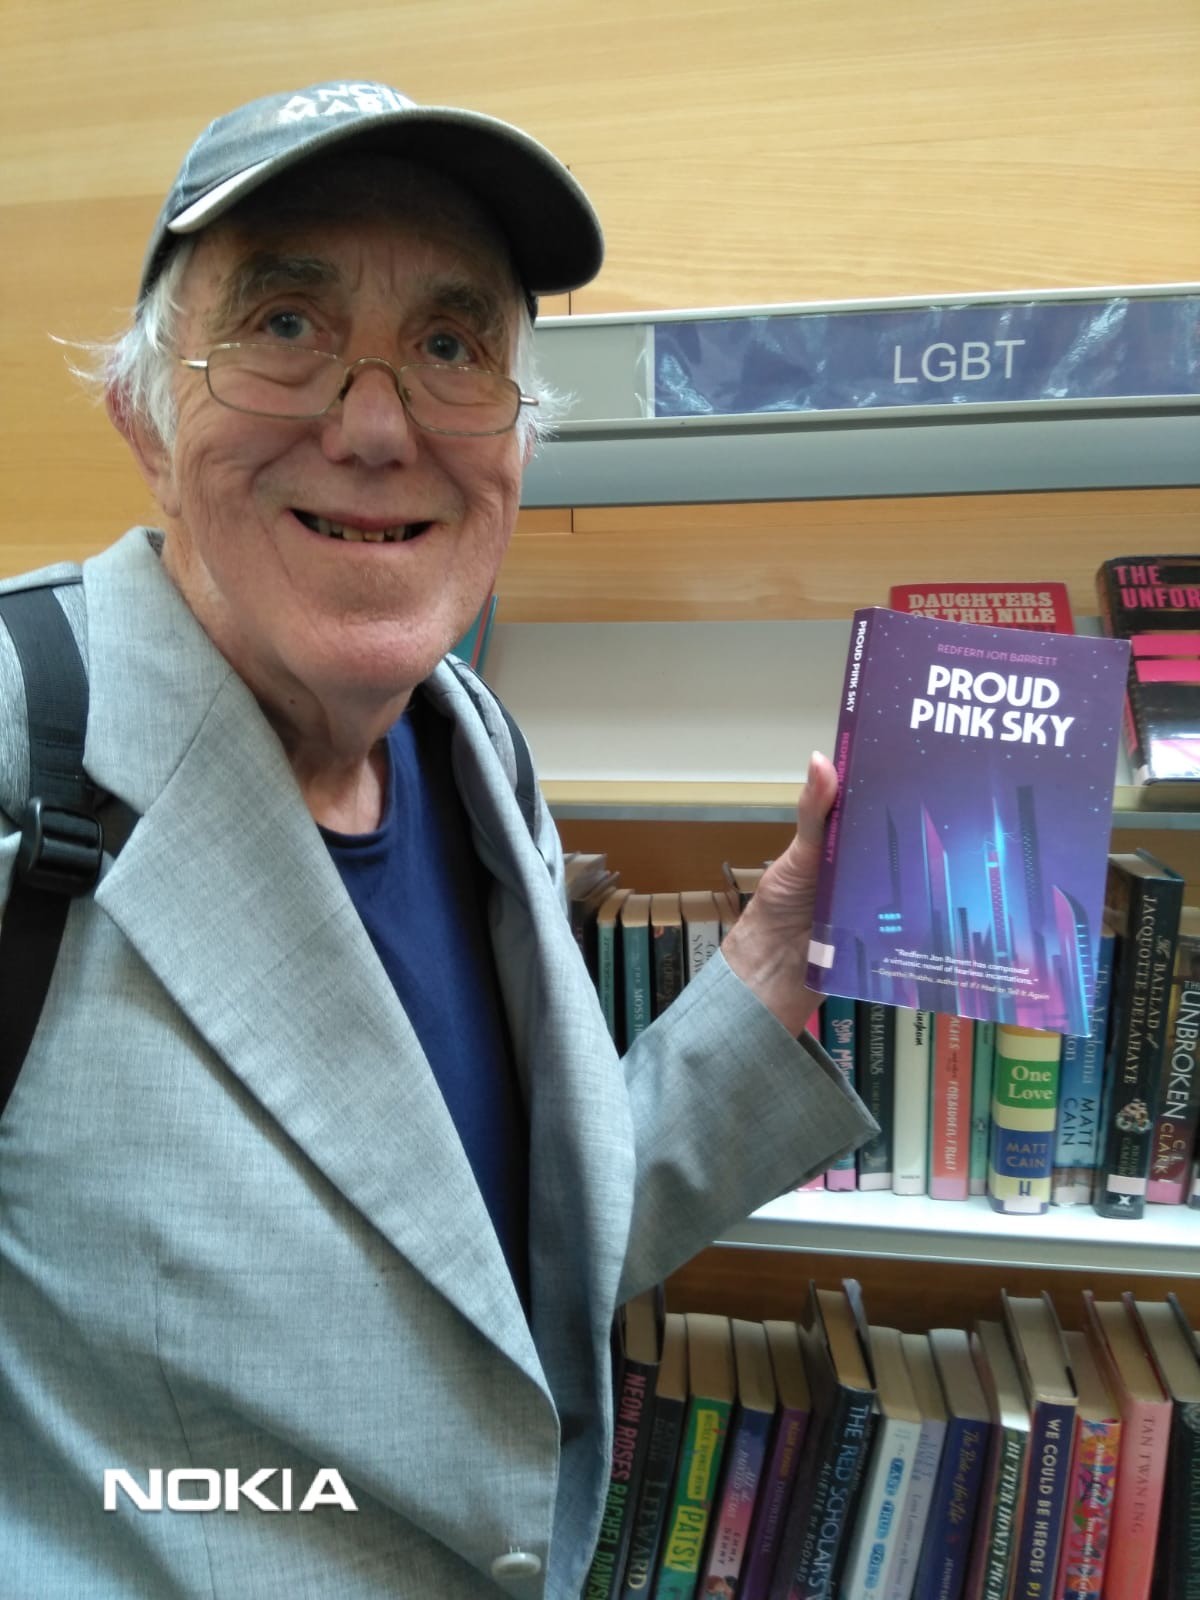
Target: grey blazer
{"type": "Point", "coordinates": [237, 1228]}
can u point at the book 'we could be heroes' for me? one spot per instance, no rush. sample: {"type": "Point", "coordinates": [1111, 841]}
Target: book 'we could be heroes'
{"type": "Point", "coordinates": [964, 860]}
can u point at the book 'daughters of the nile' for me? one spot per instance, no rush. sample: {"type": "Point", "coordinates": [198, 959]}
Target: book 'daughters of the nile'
{"type": "Point", "coordinates": [964, 859]}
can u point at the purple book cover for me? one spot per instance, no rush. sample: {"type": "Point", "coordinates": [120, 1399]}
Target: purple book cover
{"type": "Point", "coordinates": [964, 860]}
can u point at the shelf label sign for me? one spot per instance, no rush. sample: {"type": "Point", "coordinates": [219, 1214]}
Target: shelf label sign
{"type": "Point", "coordinates": [867, 359]}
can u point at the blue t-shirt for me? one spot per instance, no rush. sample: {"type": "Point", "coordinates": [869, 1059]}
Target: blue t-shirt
{"type": "Point", "coordinates": [422, 894]}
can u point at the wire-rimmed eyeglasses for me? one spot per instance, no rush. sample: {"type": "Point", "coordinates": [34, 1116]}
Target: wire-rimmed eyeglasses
{"type": "Point", "coordinates": [291, 383]}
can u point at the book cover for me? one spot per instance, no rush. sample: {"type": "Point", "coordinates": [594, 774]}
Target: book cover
{"type": "Point", "coordinates": [1154, 603]}
{"type": "Point", "coordinates": [1171, 1343]}
{"type": "Point", "coordinates": [711, 1389]}
{"type": "Point", "coordinates": [637, 975]}
{"type": "Point", "coordinates": [1024, 1113]}
{"type": "Point", "coordinates": [910, 1130]}
{"type": "Point", "coordinates": [666, 950]}
{"type": "Point", "coordinates": [1040, 607]}
{"type": "Point", "coordinates": [875, 1080]}
{"type": "Point", "coordinates": [915, 1511]}
{"type": "Point", "coordinates": [983, 1065]}
{"type": "Point", "coordinates": [1041, 1358]}
{"type": "Point", "coordinates": [841, 1429]}
{"type": "Point", "coordinates": [745, 1457]}
{"type": "Point", "coordinates": [1177, 1109]}
{"type": "Point", "coordinates": [837, 1033]}
{"type": "Point", "coordinates": [701, 929]}
{"type": "Point", "coordinates": [994, 1547]}
{"type": "Point", "coordinates": [1080, 1094]}
{"type": "Point", "coordinates": [653, 1497]}
{"type": "Point", "coordinates": [633, 1407]}
{"type": "Point", "coordinates": [1095, 1450]}
{"type": "Point", "coordinates": [1143, 900]}
{"type": "Point", "coordinates": [962, 869]}
{"type": "Point", "coordinates": [873, 1536]}
{"type": "Point", "coordinates": [950, 1109]}
{"type": "Point", "coordinates": [1145, 1435]}
{"type": "Point", "coordinates": [945, 1555]}
{"type": "Point", "coordinates": [783, 1459]}
{"type": "Point", "coordinates": [609, 971]}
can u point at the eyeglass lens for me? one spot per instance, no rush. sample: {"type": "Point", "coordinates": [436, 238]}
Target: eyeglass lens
{"type": "Point", "coordinates": [282, 381]}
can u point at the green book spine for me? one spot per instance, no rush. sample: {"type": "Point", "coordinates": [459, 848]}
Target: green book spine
{"type": "Point", "coordinates": [1024, 1113]}
{"type": "Point", "coordinates": [981, 1105]}
{"type": "Point", "coordinates": [695, 1485]}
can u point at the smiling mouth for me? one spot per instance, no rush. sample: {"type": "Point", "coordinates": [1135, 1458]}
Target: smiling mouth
{"type": "Point", "coordinates": [401, 533]}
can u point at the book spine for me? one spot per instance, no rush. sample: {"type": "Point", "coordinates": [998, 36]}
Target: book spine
{"type": "Point", "coordinates": [653, 1498]}
{"type": "Point", "coordinates": [816, 1529]}
{"type": "Point", "coordinates": [778, 1478]}
{"type": "Point", "coordinates": [667, 962]}
{"type": "Point", "coordinates": [874, 1536]}
{"type": "Point", "coordinates": [631, 1439]}
{"type": "Point", "coordinates": [1089, 1510]}
{"type": "Point", "coordinates": [942, 1569]}
{"type": "Point", "coordinates": [1044, 1502]}
{"type": "Point", "coordinates": [1141, 1476]}
{"type": "Point", "coordinates": [1024, 1110]}
{"type": "Point", "coordinates": [915, 1515]}
{"type": "Point", "coordinates": [1142, 976]}
{"type": "Point", "coordinates": [1177, 1573]}
{"type": "Point", "coordinates": [606, 975]}
{"type": "Point", "coordinates": [949, 1109]}
{"type": "Point", "coordinates": [729, 1540]}
{"type": "Point", "coordinates": [1178, 1103]}
{"type": "Point", "coordinates": [691, 1506]}
{"type": "Point", "coordinates": [983, 1061]}
{"type": "Point", "coordinates": [875, 1036]}
{"type": "Point", "coordinates": [1076, 1135]}
{"type": "Point", "coordinates": [999, 1548]}
{"type": "Point", "coordinates": [635, 961]}
{"type": "Point", "coordinates": [821, 948]}
{"type": "Point", "coordinates": [910, 1142]}
{"type": "Point", "coordinates": [837, 1035]}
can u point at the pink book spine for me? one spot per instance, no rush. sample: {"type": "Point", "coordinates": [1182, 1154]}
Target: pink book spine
{"type": "Point", "coordinates": [950, 1109]}
{"type": "Point", "coordinates": [1089, 1511]}
{"type": "Point", "coordinates": [1141, 1472]}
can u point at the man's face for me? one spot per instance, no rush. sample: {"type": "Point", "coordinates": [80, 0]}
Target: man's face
{"type": "Point", "coordinates": [303, 616]}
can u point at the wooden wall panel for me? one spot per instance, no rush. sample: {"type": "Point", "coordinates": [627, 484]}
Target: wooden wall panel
{"type": "Point", "coordinates": [823, 558]}
{"type": "Point", "coordinates": [739, 152]}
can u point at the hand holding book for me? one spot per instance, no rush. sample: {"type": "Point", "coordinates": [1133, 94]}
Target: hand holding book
{"type": "Point", "coordinates": [768, 945]}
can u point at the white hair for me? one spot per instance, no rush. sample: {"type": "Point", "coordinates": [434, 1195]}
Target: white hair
{"type": "Point", "coordinates": [138, 367]}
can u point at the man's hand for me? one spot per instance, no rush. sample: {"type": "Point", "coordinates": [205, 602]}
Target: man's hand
{"type": "Point", "coordinates": [768, 945]}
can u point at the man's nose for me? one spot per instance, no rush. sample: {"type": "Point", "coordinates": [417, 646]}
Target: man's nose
{"type": "Point", "coordinates": [370, 421]}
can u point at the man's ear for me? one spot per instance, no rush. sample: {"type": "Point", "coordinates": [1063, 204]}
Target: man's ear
{"type": "Point", "coordinates": [154, 460]}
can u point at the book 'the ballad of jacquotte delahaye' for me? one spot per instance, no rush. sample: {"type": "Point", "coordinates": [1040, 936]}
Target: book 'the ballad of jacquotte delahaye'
{"type": "Point", "coordinates": [964, 859]}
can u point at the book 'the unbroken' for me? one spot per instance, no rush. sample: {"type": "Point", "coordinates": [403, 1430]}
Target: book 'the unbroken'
{"type": "Point", "coordinates": [964, 859]}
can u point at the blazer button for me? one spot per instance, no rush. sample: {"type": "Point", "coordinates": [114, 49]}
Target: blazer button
{"type": "Point", "coordinates": [516, 1564]}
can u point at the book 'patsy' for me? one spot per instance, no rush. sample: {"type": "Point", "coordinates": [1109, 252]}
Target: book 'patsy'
{"type": "Point", "coordinates": [964, 859]}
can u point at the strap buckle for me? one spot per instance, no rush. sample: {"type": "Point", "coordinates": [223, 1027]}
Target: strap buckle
{"type": "Point", "coordinates": [61, 851]}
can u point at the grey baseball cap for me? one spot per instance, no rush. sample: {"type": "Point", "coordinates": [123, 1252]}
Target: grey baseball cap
{"type": "Point", "coordinates": [548, 221]}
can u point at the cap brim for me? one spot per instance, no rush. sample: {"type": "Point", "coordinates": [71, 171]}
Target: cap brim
{"type": "Point", "coordinates": [552, 231]}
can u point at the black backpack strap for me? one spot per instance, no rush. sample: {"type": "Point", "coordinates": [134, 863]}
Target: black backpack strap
{"type": "Point", "coordinates": [525, 787]}
{"type": "Point", "coordinates": [62, 840]}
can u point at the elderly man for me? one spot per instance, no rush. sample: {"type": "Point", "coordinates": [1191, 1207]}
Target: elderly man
{"type": "Point", "coordinates": [321, 1181]}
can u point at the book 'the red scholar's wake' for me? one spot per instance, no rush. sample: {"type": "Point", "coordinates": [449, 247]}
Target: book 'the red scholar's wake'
{"type": "Point", "coordinates": [964, 859]}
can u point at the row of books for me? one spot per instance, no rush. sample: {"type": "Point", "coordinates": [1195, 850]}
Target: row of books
{"type": "Point", "coordinates": [968, 1107]}
{"type": "Point", "coordinates": [1151, 600]}
{"type": "Point", "coordinates": [836, 1459]}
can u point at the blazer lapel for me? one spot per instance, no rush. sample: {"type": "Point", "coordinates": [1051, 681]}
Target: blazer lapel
{"type": "Point", "coordinates": [227, 892]}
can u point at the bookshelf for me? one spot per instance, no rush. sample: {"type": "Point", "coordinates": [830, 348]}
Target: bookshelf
{"type": "Point", "coordinates": [675, 745]}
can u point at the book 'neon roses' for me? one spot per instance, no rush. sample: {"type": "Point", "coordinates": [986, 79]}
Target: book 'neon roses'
{"type": "Point", "coordinates": [964, 859]}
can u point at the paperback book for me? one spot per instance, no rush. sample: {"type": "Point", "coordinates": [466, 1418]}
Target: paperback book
{"type": "Point", "coordinates": [1040, 607]}
{"type": "Point", "coordinates": [964, 859]}
{"type": "Point", "coordinates": [1154, 602]}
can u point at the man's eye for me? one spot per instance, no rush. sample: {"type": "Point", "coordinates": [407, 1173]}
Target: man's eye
{"type": "Point", "coordinates": [447, 347]}
{"type": "Point", "coordinates": [289, 325]}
